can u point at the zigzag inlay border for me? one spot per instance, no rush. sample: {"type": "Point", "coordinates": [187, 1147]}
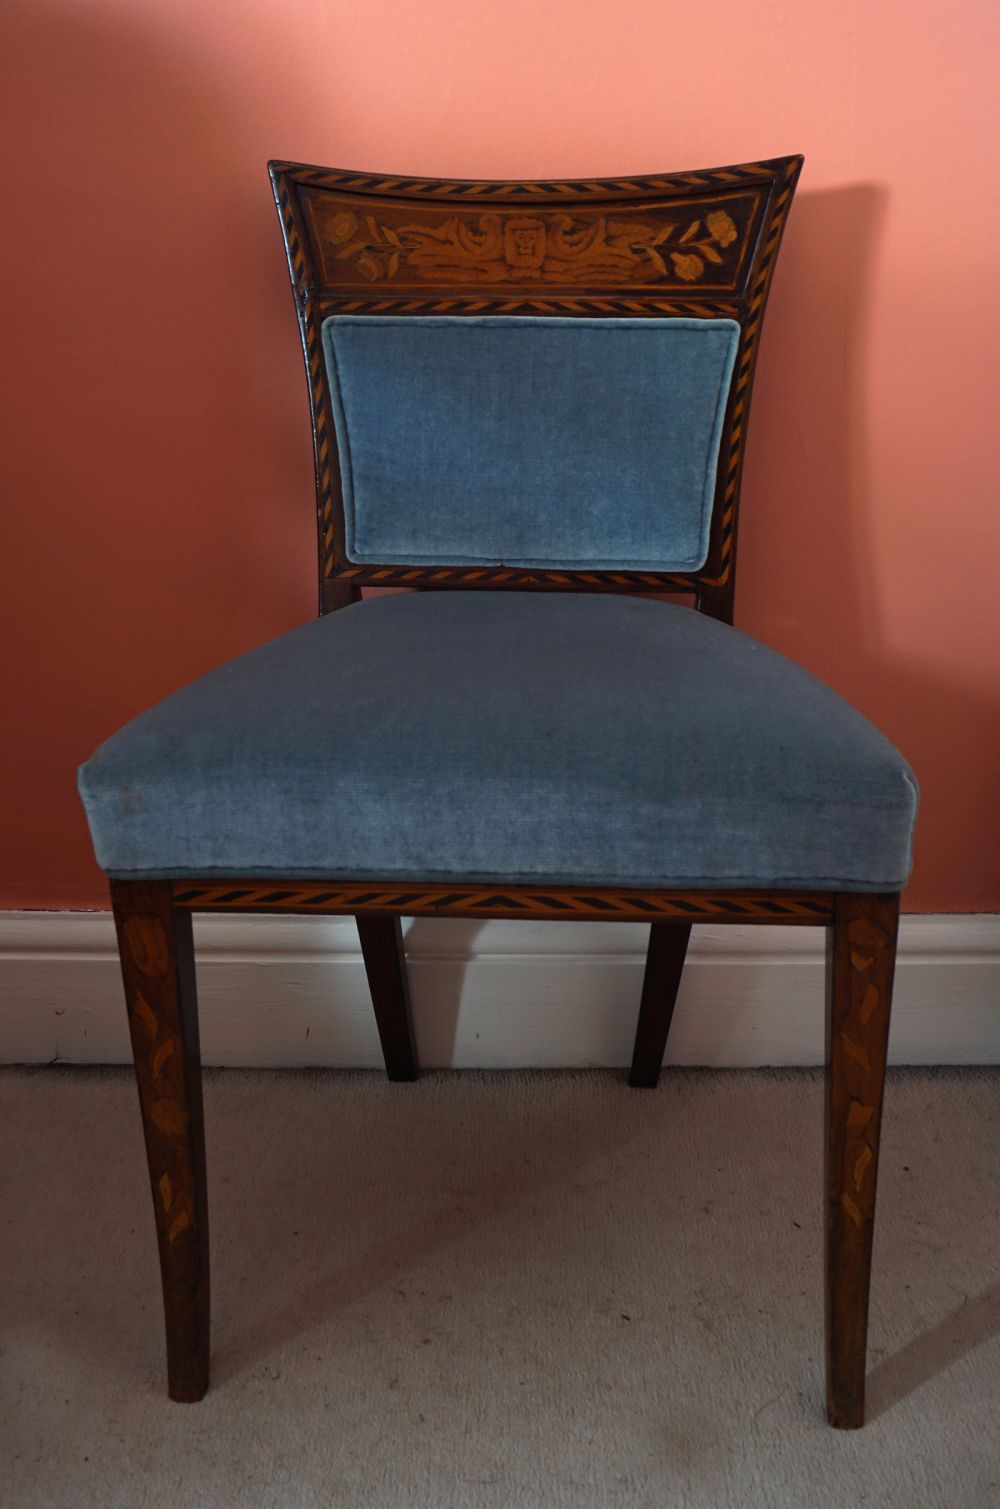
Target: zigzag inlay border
{"type": "Point", "coordinates": [326, 494]}
{"type": "Point", "coordinates": [590, 903]}
{"type": "Point", "coordinates": [509, 576]}
{"type": "Point", "coordinates": [585, 305]}
{"type": "Point", "coordinates": [578, 188]}
{"type": "Point", "coordinates": [775, 219]}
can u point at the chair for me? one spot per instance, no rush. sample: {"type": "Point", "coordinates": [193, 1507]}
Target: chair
{"type": "Point", "coordinates": [529, 403]}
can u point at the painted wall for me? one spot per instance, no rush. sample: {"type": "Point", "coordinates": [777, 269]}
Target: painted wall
{"type": "Point", "coordinates": [158, 508]}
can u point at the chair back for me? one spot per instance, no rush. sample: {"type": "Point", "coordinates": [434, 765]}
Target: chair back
{"type": "Point", "coordinates": [532, 384]}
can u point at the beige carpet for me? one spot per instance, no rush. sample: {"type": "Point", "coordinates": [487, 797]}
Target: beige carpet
{"type": "Point", "coordinates": [493, 1290]}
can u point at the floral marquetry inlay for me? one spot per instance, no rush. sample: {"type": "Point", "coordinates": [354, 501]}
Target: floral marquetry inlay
{"type": "Point", "coordinates": [159, 1054]}
{"type": "Point", "coordinates": [659, 245]}
{"type": "Point", "coordinates": [861, 1040]}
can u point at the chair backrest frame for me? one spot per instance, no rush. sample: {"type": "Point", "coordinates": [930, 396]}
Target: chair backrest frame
{"type": "Point", "coordinates": [703, 245]}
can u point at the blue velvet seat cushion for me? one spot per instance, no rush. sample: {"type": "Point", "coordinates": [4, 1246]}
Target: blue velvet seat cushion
{"type": "Point", "coordinates": [504, 440]}
{"type": "Point", "coordinates": [512, 737]}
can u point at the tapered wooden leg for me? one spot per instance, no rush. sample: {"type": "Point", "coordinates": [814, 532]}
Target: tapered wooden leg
{"type": "Point", "coordinates": [668, 943]}
{"type": "Point", "coordinates": [157, 958]}
{"type": "Point", "coordinates": [385, 964]}
{"type": "Point", "coordinates": [861, 952]}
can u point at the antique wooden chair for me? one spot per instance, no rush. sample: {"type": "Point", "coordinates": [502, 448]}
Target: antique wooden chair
{"type": "Point", "coordinates": [533, 395]}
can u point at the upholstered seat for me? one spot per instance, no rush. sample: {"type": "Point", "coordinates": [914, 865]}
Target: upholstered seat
{"type": "Point", "coordinates": [511, 737]}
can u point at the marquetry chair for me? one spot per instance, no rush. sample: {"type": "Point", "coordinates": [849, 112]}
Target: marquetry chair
{"type": "Point", "coordinates": [535, 396]}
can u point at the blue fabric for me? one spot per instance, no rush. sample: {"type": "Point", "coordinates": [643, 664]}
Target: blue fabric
{"type": "Point", "coordinates": [529, 442]}
{"type": "Point", "coordinates": [511, 737]}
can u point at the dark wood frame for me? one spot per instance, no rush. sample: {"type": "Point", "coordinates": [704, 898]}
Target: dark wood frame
{"type": "Point", "coordinates": [744, 208]}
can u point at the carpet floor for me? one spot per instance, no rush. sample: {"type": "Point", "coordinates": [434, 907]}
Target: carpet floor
{"type": "Point", "coordinates": [493, 1290]}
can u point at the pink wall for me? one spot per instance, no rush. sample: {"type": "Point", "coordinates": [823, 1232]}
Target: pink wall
{"type": "Point", "coordinates": [159, 499]}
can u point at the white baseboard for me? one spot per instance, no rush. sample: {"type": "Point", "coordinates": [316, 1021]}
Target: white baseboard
{"type": "Point", "coordinates": [278, 991]}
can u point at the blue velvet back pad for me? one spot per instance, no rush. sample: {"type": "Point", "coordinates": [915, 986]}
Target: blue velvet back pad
{"type": "Point", "coordinates": [496, 440]}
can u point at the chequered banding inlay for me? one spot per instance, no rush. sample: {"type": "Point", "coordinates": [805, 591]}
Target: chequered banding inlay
{"type": "Point", "coordinates": [517, 901]}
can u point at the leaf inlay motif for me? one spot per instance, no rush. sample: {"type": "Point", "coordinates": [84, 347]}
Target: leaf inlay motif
{"type": "Point", "coordinates": [556, 248]}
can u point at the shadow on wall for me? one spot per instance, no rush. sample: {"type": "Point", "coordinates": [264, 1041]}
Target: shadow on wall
{"type": "Point", "coordinates": [812, 574]}
{"type": "Point", "coordinates": [158, 442]}
{"type": "Point", "coordinates": [809, 580]}
{"type": "Point", "coordinates": [154, 234]}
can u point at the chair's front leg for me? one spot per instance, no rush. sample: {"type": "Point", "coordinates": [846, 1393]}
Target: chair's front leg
{"type": "Point", "coordinates": [861, 952]}
{"type": "Point", "coordinates": [157, 957]}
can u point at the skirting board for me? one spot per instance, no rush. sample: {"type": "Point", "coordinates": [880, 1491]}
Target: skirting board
{"type": "Point", "coordinates": [284, 991]}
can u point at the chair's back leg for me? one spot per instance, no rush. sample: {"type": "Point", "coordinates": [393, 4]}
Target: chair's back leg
{"type": "Point", "coordinates": [861, 953]}
{"type": "Point", "coordinates": [157, 957]}
{"type": "Point", "coordinates": [385, 964]}
{"type": "Point", "coordinates": [668, 943]}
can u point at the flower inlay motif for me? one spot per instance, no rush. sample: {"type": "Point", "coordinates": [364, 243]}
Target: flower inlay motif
{"type": "Point", "coordinates": [557, 248]}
